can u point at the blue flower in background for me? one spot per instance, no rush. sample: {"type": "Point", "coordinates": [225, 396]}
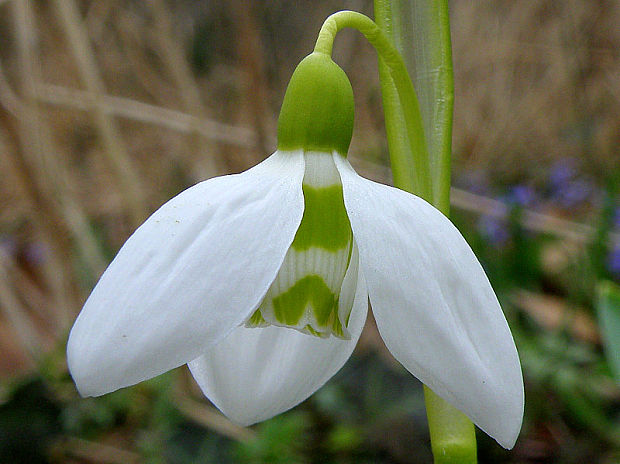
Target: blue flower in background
{"type": "Point", "coordinates": [617, 218]}
{"type": "Point", "coordinates": [574, 193]}
{"type": "Point", "coordinates": [562, 172]}
{"type": "Point", "coordinates": [494, 230]}
{"type": "Point", "coordinates": [566, 189]}
{"type": "Point", "coordinates": [613, 261]}
{"type": "Point", "coordinates": [522, 195]}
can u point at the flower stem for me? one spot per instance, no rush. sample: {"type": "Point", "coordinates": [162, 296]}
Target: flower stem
{"type": "Point", "coordinates": [414, 169]}
{"type": "Point", "coordinates": [401, 157]}
{"type": "Point", "coordinates": [453, 436]}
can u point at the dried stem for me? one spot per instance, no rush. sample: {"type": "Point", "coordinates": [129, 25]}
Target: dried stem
{"type": "Point", "coordinates": [252, 63]}
{"type": "Point", "coordinates": [16, 314]}
{"type": "Point", "coordinates": [91, 451]}
{"type": "Point", "coordinates": [211, 418]}
{"type": "Point", "coordinates": [173, 57]}
{"type": "Point", "coordinates": [56, 171]}
{"type": "Point", "coordinates": [37, 167]}
{"type": "Point", "coordinates": [144, 112]}
{"type": "Point", "coordinates": [110, 135]}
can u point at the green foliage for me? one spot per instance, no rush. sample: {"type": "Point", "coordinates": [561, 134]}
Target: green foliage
{"type": "Point", "coordinates": [279, 441]}
{"type": "Point", "coordinates": [608, 310]}
{"type": "Point", "coordinates": [29, 422]}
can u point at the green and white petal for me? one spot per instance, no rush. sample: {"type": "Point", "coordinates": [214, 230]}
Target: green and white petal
{"type": "Point", "coordinates": [257, 373]}
{"type": "Point", "coordinates": [306, 293]}
{"type": "Point", "coordinates": [433, 304]}
{"type": "Point", "coordinates": [195, 270]}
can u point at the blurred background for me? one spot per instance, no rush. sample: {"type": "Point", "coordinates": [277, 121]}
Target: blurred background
{"type": "Point", "coordinates": [109, 108]}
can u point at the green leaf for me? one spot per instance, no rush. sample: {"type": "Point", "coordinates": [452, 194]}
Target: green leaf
{"type": "Point", "coordinates": [420, 30]}
{"type": "Point", "coordinates": [608, 310]}
{"type": "Point", "coordinates": [419, 33]}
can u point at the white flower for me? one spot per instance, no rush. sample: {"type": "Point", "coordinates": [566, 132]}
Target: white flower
{"type": "Point", "coordinates": [265, 307]}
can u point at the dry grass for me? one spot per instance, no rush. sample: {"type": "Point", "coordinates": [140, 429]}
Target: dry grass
{"type": "Point", "coordinates": [537, 81]}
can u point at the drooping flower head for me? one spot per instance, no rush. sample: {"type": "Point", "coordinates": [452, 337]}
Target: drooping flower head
{"type": "Point", "coordinates": [260, 281]}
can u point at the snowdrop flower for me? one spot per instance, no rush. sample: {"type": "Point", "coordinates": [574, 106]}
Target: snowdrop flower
{"type": "Point", "coordinates": [260, 281]}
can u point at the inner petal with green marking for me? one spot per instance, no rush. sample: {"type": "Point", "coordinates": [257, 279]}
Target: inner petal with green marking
{"type": "Point", "coordinates": [308, 293]}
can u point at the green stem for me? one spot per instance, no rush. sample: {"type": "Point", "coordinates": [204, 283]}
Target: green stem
{"type": "Point", "coordinates": [444, 106]}
{"type": "Point", "coordinates": [401, 158]}
{"type": "Point", "coordinates": [421, 178]}
{"type": "Point", "coordinates": [453, 436]}
{"type": "Point", "coordinates": [403, 169]}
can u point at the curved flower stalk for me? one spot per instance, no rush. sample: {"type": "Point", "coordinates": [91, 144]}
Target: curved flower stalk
{"type": "Point", "coordinates": [260, 281]}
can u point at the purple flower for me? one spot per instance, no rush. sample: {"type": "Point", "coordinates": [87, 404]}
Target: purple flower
{"type": "Point", "coordinates": [566, 188]}
{"type": "Point", "coordinates": [521, 195]}
{"type": "Point", "coordinates": [573, 193]}
{"type": "Point", "coordinates": [613, 261]}
{"type": "Point", "coordinates": [493, 229]}
{"type": "Point", "coordinates": [561, 173]}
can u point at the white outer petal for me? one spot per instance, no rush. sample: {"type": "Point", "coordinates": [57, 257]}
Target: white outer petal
{"type": "Point", "coordinates": [255, 374]}
{"type": "Point", "coordinates": [190, 274]}
{"type": "Point", "coordinates": [433, 304]}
